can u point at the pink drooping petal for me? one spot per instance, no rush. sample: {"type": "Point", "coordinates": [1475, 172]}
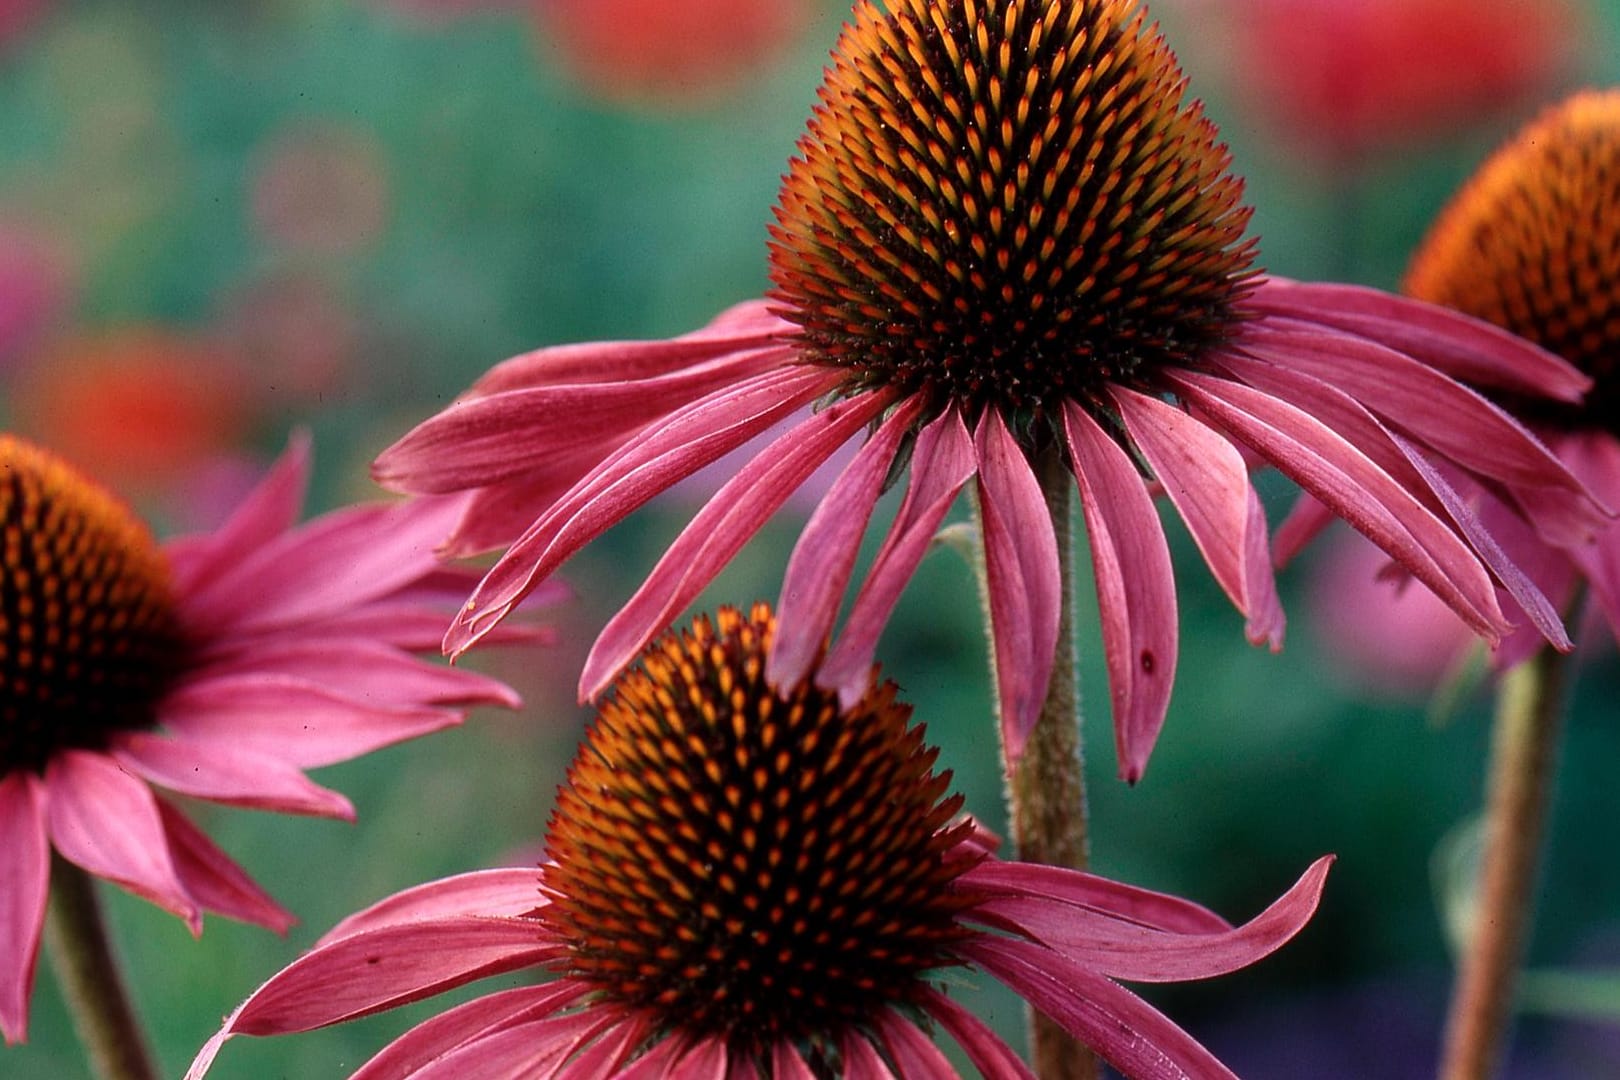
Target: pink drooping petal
{"type": "Point", "coordinates": [433, 1039]}
{"type": "Point", "coordinates": [1466, 348]}
{"type": "Point", "coordinates": [994, 1059]}
{"type": "Point", "coordinates": [705, 1059]}
{"type": "Point", "coordinates": [213, 878]}
{"type": "Point", "coordinates": [106, 821]}
{"type": "Point", "coordinates": [1357, 489]}
{"type": "Point", "coordinates": [521, 1047]}
{"type": "Point", "coordinates": [913, 1053]}
{"type": "Point", "coordinates": [662, 1062]}
{"type": "Point", "coordinates": [1596, 459]}
{"type": "Point", "coordinates": [408, 626]}
{"type": "Point", "coordinates": [823, 558]}
{"type": "Point", "coordinates": [941, 464]}
{"type": "Point", "coordinates": [25, 876]}
{"type": "Point", "coordinates": [298, 722]}
{"type": "Point", "coordinates": [719, 531]}
{"type": "Point", "coordinates": [861, 1060]}
{"type": "Point", "coordinates": [1549, 567]}
{"type": "Point", "coordinates": [1000, 879]}
{"type": "Point", "coordinates": [506, 891]}
{"type": "Point", "coordinates": [484, 440]}
{"type": "Point", "coordinates": [1124, 1030]}
{"type": "Point", "coordinates": [368, 671]}
{"type": "Point", "coordinates": [787, 1064]}
{"type": "Point", "coordinates": [382, 969]}
{"type": "Point", "coordinates": [1304, 523]}
{"type": "Point", "coordinates": [1124, 949]}
{"type": "Point", "coordinates": [220, 772]}
{"type": "Point", "coordinates": [497, 515]}
{"type": "Point", "coordinates": [608, 1054]}
{"type": "Point", "coordinates": [669, 450]}
{"type": "Point", "coordinates": [1025, 586]}
{"type": "Point", "coordinates": [1136, 589]}
{"type": "Point", "coordinates": [1208, 481]}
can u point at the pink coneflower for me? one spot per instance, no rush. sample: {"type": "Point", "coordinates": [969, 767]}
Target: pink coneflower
{"type": "Point", "coordinates": [1008, 247]}
{"type": "Point", "coordinates": [746, 883]}
{"type": "Point", "coordinates": [218, 666]}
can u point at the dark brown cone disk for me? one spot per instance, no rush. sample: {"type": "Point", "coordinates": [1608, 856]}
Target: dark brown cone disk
{"type": "Point", "coordinates": [1532, 243]}
{"type": "Point", "coordinates": [1008, 204]}
{"type": "Point", "coordinates": [87, 628]}
{"type": "Point", "coordinates": [749, 867]}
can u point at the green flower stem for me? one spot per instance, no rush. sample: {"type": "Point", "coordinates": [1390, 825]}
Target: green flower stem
{"type": "Point", "coordinates": [81, 955]}
{"type": "Point", "coordinates": [1524, 749]}
{"type": "Point", "coordinates": [1046, 794]}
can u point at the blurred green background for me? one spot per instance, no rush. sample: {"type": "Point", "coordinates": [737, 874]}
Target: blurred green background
{"type": "Point", "coordinates": [221, 222]}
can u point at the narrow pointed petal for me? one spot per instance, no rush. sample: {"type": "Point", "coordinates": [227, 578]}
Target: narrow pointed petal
{"type": "Point", "coordinates": [1136, 589]}
{"type": "Point", "coordinates": [106, 821]}
{"type": "Point", "coordinates": [270, 510]}
{"type": "Point", "coordinates": [1124, 1030]}
{"type": "Point", "coordinates": [662, 1062]}
{"type": "Point", "coordinates": [605, 1057]}
{"type": "Point", "coordinates": [434, 1039]}
{"type": "Point", "coordinates": [1021, 565]}
{"type": "Point", "coordinates": [787, 1064]}
{"type": "Point", "coordinates": [507, 891]}
{"type": "Point", "coordinates": [1463, 347]}
{"type": "Point", "coordinates": [368, 672]}
{"type": "Point", "coordinates": [993, 1058]}
{"type": "Point", "coordinates": [819, 569]}
{"type": "Point", "coordinates": [25, 867]}
{"type": "Point", "coordinates": [220, 772]}
{"type": "Point", "coordinates": [1596, 459]}
{"type": "Point", "coordinates": [861, 1061]}
{"type": "Point", "coordinates": [913, 1053]}
{"type": "Point", "coordinates": [669, 450]}
{"type": "Point", "coordinates": [213, 878]}
{"type": "Point", "coordinates": [1000, 878]}
{"type": "Point", "coordinates": [941, 464]}
{"type": "Point", "coordinates": [536, 1049]}
{"type": "Point", "coordinates": [1304, 523]}
{"type": "Point", "coordinates": [719, 531]}
{"type": "Point", "coordinates": [1208, 481]}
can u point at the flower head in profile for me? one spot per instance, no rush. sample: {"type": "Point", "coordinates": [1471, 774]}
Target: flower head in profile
{"type": "Point", "coordinates": [1009, 251]}
{"type": "Point", "coordinates": [742, 882]}
{"type": "Point", "coordinates": [218, 666]}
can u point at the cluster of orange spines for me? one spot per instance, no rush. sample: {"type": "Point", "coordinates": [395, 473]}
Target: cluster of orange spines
{"type": "Point", "coordinates": [1007, 203]}
{"type": "Point", "coordinates": [87, 630]}
{"type": "Point", "coordinates": [1532, 243]}
{"type": "Point", "coordinates": [759, 867]}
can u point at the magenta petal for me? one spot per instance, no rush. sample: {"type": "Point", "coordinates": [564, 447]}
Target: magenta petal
{"type": "Point", "coordinates": [214, 880]}
{"type": "Point", "coordinates": [529, 1048]}
{"type": "Point", "coordinates": [993, 1058]}
{"type": "Point", "coordinates": [268, 511]}
{"type": "Point", "coordinates": [367, 670]}
{"type": "Point", "coordinates": [107, 822]}
{"type": "Point", "coordinates": [1136, 588]}
{"type": "Point", "coordinates": [1000, 878]}
{"type": "Point", "coordinates": [669, 450]}
{"type": "Point", "coordinates": [1208, 481]}
{"type": "Point", "coordinates": [605, 1057]}
{"type": "Point", "coordinates": [824, 556]}
{"type": "Point", "coordinates": [941, 463]}
{"type": "Point", "coordinates": [1124, 1030]}
{"type": "Point", "coordinates": [1596, 460]}
{"type": "Point", "coordinates": [381, 969]}
{"type": "Point", "coordinates": [861, 1061]}
{"type": "Point", "coordinates": [25, 871]}
{"type": "Point", "coordinates": [1025, 586]}
{"type": "Point", "coordinates": [913, 1053]}
{"type": "Point", "coordinates": [1304, 523]}
{"type": "Point", "coordinates": [720, 530]}
{"type": "Point", "coordinates": [437, 1037]}
{"type": "Point", "coordinates": [236, 776]}
{"type": "Point", "coordinates": [506, 891]}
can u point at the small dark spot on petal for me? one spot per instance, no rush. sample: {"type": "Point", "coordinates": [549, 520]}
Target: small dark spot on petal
{"type": "Point", "coordinates": [1148, 661]}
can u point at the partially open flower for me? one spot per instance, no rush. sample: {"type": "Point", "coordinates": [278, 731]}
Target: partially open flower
{"type": "Point", "coordinates": [747, 883]}
{"type": "Point", "coordinates": [1008, 249]}
{"type": "Point", "coordinates": [218, 666]}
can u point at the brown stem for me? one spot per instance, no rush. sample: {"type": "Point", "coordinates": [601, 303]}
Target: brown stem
{"type": "Point", "coordinates": [1524, 748]}
{"type": "Point", "coordinates": [81, 955]}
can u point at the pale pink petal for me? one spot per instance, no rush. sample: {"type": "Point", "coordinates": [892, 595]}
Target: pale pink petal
{"type": "Point", "coordinates": [25, 877]}
{"type": "Point", "coordinates": [823, 558]}
{"type": "Point", "coordinates": [1000, 878]}
{"type": "Point", "coordinates": [417, 629]}
{"type": "Point", "coordinates": [913, 1053]}
{"type": "Point", "coordinates": [1208, 481]}
{"type": "Point", "coordinates": [675, 447]}
{"type": "Point", "coordinates": [1463, 347]}
{"type": "Point", "coordinates": [1136, 588]}
{"type": "Point", "coordinates": [364, 670]}
{"type": "Point", "coordinates": [1357, 489]}
{"type": "Point", "coordinates": [497, 515]}
{"type": "Point", "coordinates": [506, 891]}
{"type": "Point", "coordinates": [1120, 1027]}
{"type": "Point", "coordinates": [1125, 949]}
{"type": "Point", "coordinates": [214, 880]}
{"type": "Point", "coordinates": [1303, 524]}
{"type": "Point", "coordinates": [382, 969]}
{"type": "Point", "coordinates": [106, 821]}
{"type": "Point", "coordinates": [861, 1061]}
{"type": "Point", "coordinates": [433, 1039]}
{"type": "Point", "coordinates": [1595, 458]}
{"type": "Point", "coordinates": [1021, 565]}
{"type": "Point", "coordinates": [532, 1049]}
{"type": "Point", "coordinates": [270, 510]}
{"type": "Point", "coordinates": [296, 722]}
{"type": "Point", "coordinates": [720, 530]}
{"type": "Point", "coordinates": [941, 463]}
{"type": "Point", "coordinates": [220, 772]}
{"type": "Point", "coordinates": [993, 1058]}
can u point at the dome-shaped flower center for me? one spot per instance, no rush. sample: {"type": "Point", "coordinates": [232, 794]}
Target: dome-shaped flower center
{"type": "Point", "coordinates": [1532, 243]}
{"type": "Point", "coordinates": [87, 628]}
{"type": "Point", "coordinates": [1008, 203]}
{"type": "Point", "coordinates": [749, 867]}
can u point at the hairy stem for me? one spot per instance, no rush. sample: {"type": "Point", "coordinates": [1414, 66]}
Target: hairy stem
{"type": "Point", "coordinates": [81, 955]}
